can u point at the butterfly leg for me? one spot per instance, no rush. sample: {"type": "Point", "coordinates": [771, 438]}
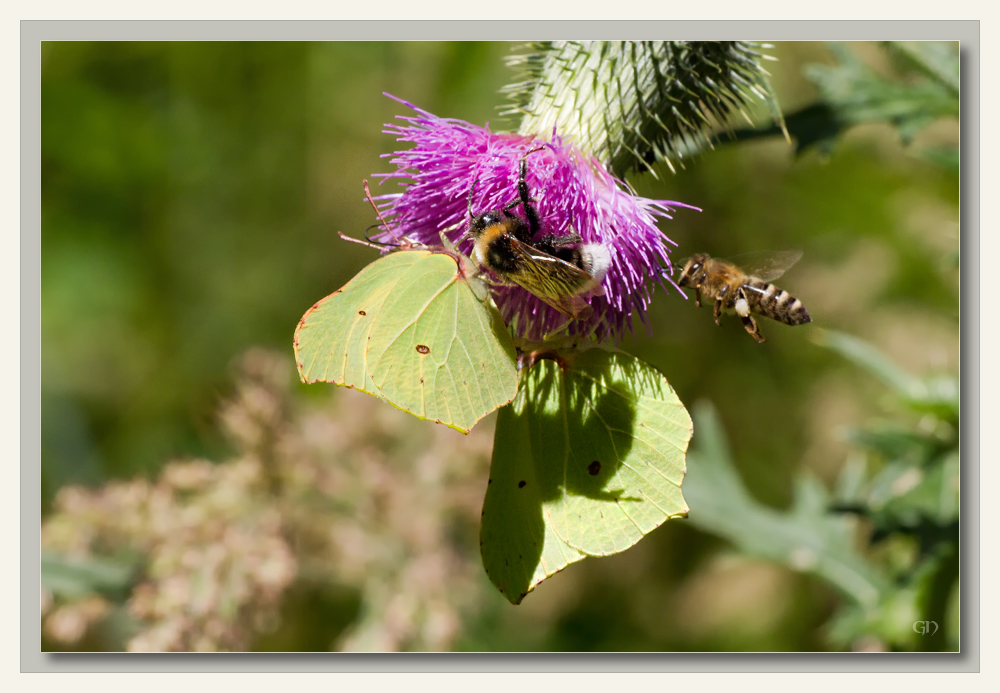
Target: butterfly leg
{"type": "Point", "coordinates": [485, 277]}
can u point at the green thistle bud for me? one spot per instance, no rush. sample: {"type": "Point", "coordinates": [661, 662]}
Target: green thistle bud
{"type": "Point", "coordinates": [634, 103]}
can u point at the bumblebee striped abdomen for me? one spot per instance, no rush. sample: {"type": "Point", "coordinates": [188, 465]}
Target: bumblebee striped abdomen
{"type": "Point", "coordinates": [768, 300]}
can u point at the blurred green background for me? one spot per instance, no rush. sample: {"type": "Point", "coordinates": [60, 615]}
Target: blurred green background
{"type": "Point", "coordinates": [191, 198]}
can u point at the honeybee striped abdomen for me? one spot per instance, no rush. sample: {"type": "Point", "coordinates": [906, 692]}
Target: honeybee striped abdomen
{"type": "Point", "coordinates": [735, 290]}
{"type": "Point", "coordinates": [772, 302]}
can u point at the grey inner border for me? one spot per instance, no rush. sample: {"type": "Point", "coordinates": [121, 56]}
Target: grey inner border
{"type": "Point", "coordinates": [33, 32]}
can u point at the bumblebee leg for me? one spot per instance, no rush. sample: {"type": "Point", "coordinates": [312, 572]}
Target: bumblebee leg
{"type": "Point", "coordinates": [552, 244]}
{"type": "Point", "coordinates": [472, 189]}
{"type": "Point", "coordinates": [563, 241]}
{"type": "Point", "coordinates": [525, 197]}
{"type": "Point", "coordinates": [751, 326]}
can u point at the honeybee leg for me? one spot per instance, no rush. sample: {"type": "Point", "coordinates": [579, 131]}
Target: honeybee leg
{"type": "Point", "coordinates": [717, 310]}
{"type": "Point", "coordinates": [697, 296]}
{"type": "Point", "coordinates": [742, 308]}
{"type": "Point", "coordinates": [751, 326]}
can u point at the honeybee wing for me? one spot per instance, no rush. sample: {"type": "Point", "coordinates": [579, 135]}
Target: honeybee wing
{"type": "Point", "coordinates": [766, 265]}
{"type": "Point", "coordinates": [554, 281]}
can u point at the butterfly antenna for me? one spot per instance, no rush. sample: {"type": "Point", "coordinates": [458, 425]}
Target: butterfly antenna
{"type": "Point", "coordinates": [388, 228]}
{"type": "Point", "coordinates": [376, 245]}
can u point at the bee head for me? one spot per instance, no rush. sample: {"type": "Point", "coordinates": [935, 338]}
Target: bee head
{"type": "Point", "coordinates": [483, 221]}
{"type": "Point", "coordinates": [692, 266]}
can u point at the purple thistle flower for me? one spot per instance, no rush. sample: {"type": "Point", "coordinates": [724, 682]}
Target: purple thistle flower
{"type": "Point", "coordinates": [572, 192]}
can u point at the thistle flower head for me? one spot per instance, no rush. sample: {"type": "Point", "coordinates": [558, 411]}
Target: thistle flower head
{"type": "Point", "coordinates": [572, 192]}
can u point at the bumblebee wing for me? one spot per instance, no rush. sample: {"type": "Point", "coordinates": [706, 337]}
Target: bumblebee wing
{"type": "Point", "coordinates": [570, 306]}
{"type": "Point", "coordinates": [555, 281]}
{"type": "Point", "coordinates": [766, 265]}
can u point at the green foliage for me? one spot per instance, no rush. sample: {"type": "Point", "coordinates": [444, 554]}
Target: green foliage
{"type": "Point", "coordinates": [858, 94]}
{"type": "Point", "coordinates": [805, 538]}
{"type": "Point", "coordinates": [939, 60]}
{"type": "Point", "coordinates": [410, 329]}
{"type": "Point", "coordinates": [914, 488]}
{"type": "Point", "coordinates": [935, 394]}
{"type": "Point", "coordinates": [190, 198]}
{"type": "Point", "coordinates": [587, 460]}
{"type": "Point", "coordinates": [634, 103]}
{"type": "Point", "coordinates": [905, 486]}
{"type": "Point", "coordinates": [275, 547]}
{"type": "Point", "coordinates": [853, 93]}
{"type": "Point", "coordinates": [191, 194]}
{"type": "Point", "coordinates": [74, 578]}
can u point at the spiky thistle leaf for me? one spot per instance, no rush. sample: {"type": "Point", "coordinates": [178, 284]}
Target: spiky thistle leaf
{"type": "Point", "coordinates": [634, 103]}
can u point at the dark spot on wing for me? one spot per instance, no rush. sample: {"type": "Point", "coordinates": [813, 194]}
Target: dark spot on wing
{"type": "Point", "coordinates": [594, 468]}
{"type": "Point", "coordinates": [423, 349]}
{"type": "Point", "coordinates": [361, 312]}
{"type": "Point", "coordinates": [521, 484]}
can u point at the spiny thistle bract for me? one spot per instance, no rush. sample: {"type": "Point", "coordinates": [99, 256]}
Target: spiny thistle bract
{"type": "Point", "coordinates": [572, 191]}
{"type": "Point", "coordinates": [634, 103]}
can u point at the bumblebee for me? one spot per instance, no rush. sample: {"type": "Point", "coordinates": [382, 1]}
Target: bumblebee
{"type": "Point", "coordinates": [747, 290]}
{"type": "Point", "coordinates": [560, 270]}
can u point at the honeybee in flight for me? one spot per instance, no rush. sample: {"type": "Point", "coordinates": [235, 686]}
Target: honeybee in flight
{"type": "Point", "coordinates": [748, 290]}
{"type": "Point", "coordinates": [559, 270]}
